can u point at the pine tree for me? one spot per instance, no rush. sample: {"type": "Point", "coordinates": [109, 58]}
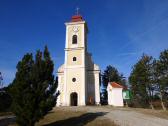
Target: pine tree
{"type": "Point", "coordinates": [5, 100]}
{"type": "Point", "coordinates": [161, 76]}
{"type": "Point", "coordinates": [141, 80]}
{"type": "Point", "coordinates": [33, 88]}
{"type": "Point", "coordinates": [111, 74]}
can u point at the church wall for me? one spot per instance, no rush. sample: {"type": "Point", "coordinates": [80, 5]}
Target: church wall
{"type": "Point", "coordinates": [77, 86]}
{"type": "Point", "coordinates": [79, 34]}
{"type": "Point", "coordinates": [75, 53]}
{"type": "Point", "coordinates": [97, 86]}
{"type": "Point", "coordinates": [90, 88]}
{"type": "Point", "coordinates": [60, 88]}
{"type": "Point", "coordinates": [62, 79]}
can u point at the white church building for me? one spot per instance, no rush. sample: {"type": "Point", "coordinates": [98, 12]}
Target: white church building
{"type": "Point", "coordinates": [78, 77]}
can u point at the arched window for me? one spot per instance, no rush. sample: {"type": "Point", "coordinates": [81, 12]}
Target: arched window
{"type": "Point", "coordinates": [74, 39]}
{"type": "Point", "coordinates": [74, 58]}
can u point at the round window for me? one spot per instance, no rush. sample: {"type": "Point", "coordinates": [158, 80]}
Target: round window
{"type": "Point", "coordinates": [73, 79]}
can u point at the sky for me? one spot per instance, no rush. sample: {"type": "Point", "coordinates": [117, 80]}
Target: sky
{"type": "Point", "coordinates": [120, 31]}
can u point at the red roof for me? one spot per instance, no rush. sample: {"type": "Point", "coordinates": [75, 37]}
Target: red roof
{"type": "Point", "coordinates": [115, 85]}
{"type": "Point", "coordinates": [76, 18]}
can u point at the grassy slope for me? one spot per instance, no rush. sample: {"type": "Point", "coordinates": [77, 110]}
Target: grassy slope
{"type": "Point", "coordinates": [72, 118]}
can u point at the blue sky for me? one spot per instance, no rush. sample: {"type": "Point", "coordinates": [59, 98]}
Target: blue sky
{"type": "Point", "coordinates": [119, 30]}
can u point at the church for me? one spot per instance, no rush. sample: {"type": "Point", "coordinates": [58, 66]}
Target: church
{"type": "Point", "coordinates": [78, 77]}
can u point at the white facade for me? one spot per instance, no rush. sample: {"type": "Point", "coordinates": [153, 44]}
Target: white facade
{"type": "Point", "coordinates": [115, 97]}
{"type": "Point", "coordinates": [78, 77]}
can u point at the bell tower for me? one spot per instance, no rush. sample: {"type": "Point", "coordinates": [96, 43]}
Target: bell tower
{"type": "Point", "coordinates": [75, 65]}
{"type": "Point", "coordinates": [78, 77]}
{"type": "Point", "coordinates": [76, 32]}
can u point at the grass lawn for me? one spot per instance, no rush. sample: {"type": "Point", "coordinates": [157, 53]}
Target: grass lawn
{"type": "Point", "coordinates": [62, 117]}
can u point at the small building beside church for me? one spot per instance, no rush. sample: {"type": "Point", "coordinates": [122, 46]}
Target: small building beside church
{"type": "Point", "coordinates": [115, 94]}
{"type": "Point", "coordinates": [78, 77]}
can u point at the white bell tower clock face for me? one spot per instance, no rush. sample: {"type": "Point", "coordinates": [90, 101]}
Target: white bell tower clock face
{"type": "Point", "coordinates": [75, 29]}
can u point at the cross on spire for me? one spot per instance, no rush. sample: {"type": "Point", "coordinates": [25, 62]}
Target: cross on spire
{"type": "Point", "coordinates": [77, 11]}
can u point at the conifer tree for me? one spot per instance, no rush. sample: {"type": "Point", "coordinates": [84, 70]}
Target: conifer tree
{"type": "Point", "coordinates": [33, 89]}
{"type": "Point", "coordinates": [161, 76]}
{"type": "Point", "coordinates": [5, 100]}
{"type": "Point", "coordinates": [111, 74]}
{"type": "Point", "coordinates": [141, 80]}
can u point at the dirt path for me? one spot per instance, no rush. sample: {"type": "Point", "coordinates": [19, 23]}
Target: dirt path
{"type": "Point", "coordinates": [124, 116]}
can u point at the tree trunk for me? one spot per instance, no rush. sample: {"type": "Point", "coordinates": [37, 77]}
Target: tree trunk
{"type": "Point", "coordinates": [151, 99]}
{"type": "Point", "coordinates": [31, 123]}
{"type": "Point", "coordinates": [163, 106]}
{"type": "Point", "coordinates": [151, 105]}
{"type": "Point", "coordinates": [162, 103]}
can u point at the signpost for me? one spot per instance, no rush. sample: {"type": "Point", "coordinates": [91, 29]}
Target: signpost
{"type": "Point", "coordinates": [126, 97]}
{"type": "Point", "coordinates": [126, 94]}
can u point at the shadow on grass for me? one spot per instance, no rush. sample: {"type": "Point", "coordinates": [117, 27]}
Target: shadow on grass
{"type": "Point", "coordinates": [77, 121]}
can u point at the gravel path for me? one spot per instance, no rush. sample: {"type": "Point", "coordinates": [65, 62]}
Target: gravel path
{"type": "Point", "coordinates": [132, 118]}
{"type": "Point", "coordinates": [124, 116]}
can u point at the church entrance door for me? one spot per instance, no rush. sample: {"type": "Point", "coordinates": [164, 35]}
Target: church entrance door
{"type": "Point", "coordinates": [74, 99]}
